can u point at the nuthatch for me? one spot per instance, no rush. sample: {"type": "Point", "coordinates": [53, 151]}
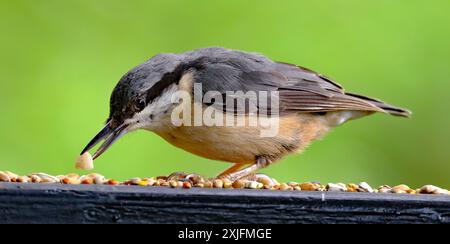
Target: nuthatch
{"type": "Point", "coordinates": [307, 105]}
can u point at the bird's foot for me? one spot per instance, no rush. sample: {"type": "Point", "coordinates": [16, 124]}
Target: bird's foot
{"type": "Point", "coordinates": [236, 173]}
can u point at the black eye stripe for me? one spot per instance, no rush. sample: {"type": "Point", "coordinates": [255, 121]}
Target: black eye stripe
{"type": "Point", "coordinates": [160, 86]}
{"type": "Point", "coordinates": [171, 78]}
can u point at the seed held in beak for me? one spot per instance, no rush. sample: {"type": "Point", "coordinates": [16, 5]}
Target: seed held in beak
{"type": "Point", "coordinates": [109, 135]}
{"type": "Point", "coordinates": [85, 162]}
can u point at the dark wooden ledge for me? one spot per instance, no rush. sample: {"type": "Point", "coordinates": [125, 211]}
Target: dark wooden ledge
{"type": "Point", "coordinates": [45, 203]}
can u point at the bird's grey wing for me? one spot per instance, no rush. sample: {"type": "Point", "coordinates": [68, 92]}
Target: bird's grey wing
{"type": "Point", "coordinates": [299, 89]}
{"type": "Point", "coordinates": [309, 91]}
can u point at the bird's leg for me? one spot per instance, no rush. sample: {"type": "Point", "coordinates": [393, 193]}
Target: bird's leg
{"type": "Point", "coordinates": [261, 162]}
{"type": "Point", "coordinates": [230, 170]}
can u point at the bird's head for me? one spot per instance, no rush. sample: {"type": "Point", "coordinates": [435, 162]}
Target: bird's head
{"type": "Point", "coordinates": [140, 100]}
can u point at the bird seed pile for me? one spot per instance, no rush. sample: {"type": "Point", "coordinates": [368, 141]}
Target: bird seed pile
{"type": "Point", "coordinates": [184, 180]}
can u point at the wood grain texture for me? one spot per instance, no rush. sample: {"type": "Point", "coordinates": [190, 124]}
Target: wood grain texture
{"type": "Point", "coordinates": [44, 203]}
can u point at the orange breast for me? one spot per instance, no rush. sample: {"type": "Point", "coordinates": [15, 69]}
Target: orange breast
{"type": "Point", "coordinates": [242, 144]}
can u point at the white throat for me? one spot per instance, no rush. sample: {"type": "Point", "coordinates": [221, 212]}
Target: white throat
{"type": "Point", "coordinates": [155, 115]}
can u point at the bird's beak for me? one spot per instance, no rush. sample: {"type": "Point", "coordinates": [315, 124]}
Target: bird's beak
{"type": "Point", "coordinates": [110, 135]}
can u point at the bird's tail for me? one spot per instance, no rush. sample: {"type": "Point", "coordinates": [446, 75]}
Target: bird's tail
{"type": "Point", "coordinates": [383, 106]}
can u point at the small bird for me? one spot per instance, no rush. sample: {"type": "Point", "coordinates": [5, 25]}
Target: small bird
{"type": "Point", "coordinates": [304, 104]}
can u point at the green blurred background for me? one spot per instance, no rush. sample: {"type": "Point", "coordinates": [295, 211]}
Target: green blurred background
{"type": "Point", "coordinates": [60, 61]}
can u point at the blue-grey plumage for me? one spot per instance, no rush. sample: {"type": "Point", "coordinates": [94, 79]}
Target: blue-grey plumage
{"type": "Point", "coordinates": [308, 105]}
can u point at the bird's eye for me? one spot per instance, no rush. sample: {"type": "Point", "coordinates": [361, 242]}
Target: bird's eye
{"type": "Point", "coordinates": [141, 105]}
